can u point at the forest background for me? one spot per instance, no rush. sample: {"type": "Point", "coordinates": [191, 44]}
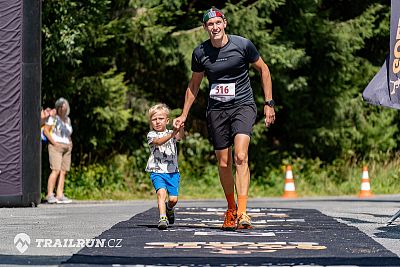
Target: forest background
{"type": "Point", "coordinates": [114, 59]}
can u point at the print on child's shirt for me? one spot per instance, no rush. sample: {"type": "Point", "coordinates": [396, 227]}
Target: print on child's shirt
{"type": "Point", "coordinates": [163, 158]}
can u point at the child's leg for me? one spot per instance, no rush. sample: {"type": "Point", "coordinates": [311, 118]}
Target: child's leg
{"type": "Point", "coordinates": [173, 189]}
{"type": "Point", "coordinates": [161, 196]}
{"type": "Point", "coordinates": [159, 185]}
{"type": "Point", "coordinates": [172, 200]}
{"type": "Point", "coordinates": [163, 222]}
{"type": "Point", "coordinates": [170, 204]}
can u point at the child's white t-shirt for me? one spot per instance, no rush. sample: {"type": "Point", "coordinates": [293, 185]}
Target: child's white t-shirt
{"type": "Point", "coordinates": [163, 158]}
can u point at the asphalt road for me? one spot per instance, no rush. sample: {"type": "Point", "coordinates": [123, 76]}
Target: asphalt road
{"type": "Point", "coordinates": [340, 226]}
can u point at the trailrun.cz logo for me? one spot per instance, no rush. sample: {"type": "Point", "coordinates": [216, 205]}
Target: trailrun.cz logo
{"type": "Point", "coordinates": [22, 242]}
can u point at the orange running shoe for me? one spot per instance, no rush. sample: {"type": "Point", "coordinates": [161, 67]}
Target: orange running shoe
{"type": "Point", "coordinates": [244, 221]}
{"type": "Point", "coordinates": [230, 220]}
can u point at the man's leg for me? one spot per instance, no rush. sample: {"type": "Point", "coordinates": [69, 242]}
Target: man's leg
{"type": "Point", "coordinates": [224, 158]}
{"type": "Point", "coordinates": [242, 142]}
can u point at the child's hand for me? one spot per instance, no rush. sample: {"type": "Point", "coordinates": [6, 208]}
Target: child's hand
{"type": "Point", "coordinates": [180, 132]}
{"type": "Point", "coordinates": [177, 129]}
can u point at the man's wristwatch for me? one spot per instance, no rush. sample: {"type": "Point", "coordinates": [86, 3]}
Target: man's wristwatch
{"type": "Point", "coordinates": [270, 103]}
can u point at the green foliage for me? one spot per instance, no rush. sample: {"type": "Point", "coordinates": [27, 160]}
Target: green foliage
{"type": "Point", "coordinates": [68, 28]}
{"type": "Point", "coordinates": [102, 101]}
{"type": "Point", "coordinates": [199, 173]}
{"type": "Point", "coordinates": [93, 181]}
{"type": "Point", "coordinates": [196, 150]}
{"type": "Point", "coordinates": [122, 177]}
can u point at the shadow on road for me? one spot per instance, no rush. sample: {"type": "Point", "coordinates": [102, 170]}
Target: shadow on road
{"type": "Point", "coordinates": [235, 261]}
{"type": "Point", "coordinates": [353, 220]}
{"type": "Point", "coordinates": [32, 260]}
{"type": "Point", "coordinates": [77, 260]}
{"type": "Point", "coordinates": [391, 232]}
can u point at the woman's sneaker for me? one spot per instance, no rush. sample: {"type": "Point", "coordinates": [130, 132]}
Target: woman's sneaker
{"type": "Point", "coordinates": [163, 223]}
{"type": "Point", "coordinates": [51, 199]}
{"type": "Point", "coordinates": [63, 200]}
{"type": "Point", "coordinates": [170, 214]}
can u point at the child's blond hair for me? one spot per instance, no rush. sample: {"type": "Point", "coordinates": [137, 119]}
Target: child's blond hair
{"type": "Point", "coordinates": [158, 107]}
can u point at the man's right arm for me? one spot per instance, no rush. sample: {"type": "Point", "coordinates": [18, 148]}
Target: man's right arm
{"type": "Point", "coordinates": [190, 96]}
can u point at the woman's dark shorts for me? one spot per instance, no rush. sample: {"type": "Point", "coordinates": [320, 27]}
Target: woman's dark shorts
{"type": "Point", "coordinates": [223, 125]}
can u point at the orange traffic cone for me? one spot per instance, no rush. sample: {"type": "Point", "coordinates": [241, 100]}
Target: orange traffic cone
{"type": "Point", "coordinates": [290, 191]}
{"type": "Point", "coordinates": [365, 185]}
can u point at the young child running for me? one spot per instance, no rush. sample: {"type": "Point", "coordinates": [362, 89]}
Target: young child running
{"type": "Point", "coordinates": [163, 162]}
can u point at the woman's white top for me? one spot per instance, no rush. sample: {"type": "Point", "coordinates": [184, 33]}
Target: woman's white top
{"type": "Point", "coordinates": [61, 131]}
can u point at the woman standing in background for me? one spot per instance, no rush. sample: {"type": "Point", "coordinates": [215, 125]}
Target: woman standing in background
{"type": "Point", "coordinates": [58, 130]}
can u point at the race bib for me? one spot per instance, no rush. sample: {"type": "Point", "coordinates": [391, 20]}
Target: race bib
{"type": "Point", "coordinates": [223, 92]}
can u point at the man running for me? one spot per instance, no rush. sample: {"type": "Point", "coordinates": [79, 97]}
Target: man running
{"type": "Point", "coordinates": [231, 110]}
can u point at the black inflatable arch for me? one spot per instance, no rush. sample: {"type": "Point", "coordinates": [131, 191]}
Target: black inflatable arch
{"type": "Point", "coordinates": [20, 86]}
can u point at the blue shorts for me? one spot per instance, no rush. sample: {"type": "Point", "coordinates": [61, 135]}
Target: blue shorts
{"type": "Point", "coordinates": [168, 181]}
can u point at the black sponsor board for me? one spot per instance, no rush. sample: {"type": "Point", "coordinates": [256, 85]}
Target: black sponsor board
{"type": "Point", "coordinates": [279, 237]}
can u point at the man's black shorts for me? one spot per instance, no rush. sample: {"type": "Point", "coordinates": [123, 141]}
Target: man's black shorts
{"type": "Point", "coordinates": [223, 125]}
